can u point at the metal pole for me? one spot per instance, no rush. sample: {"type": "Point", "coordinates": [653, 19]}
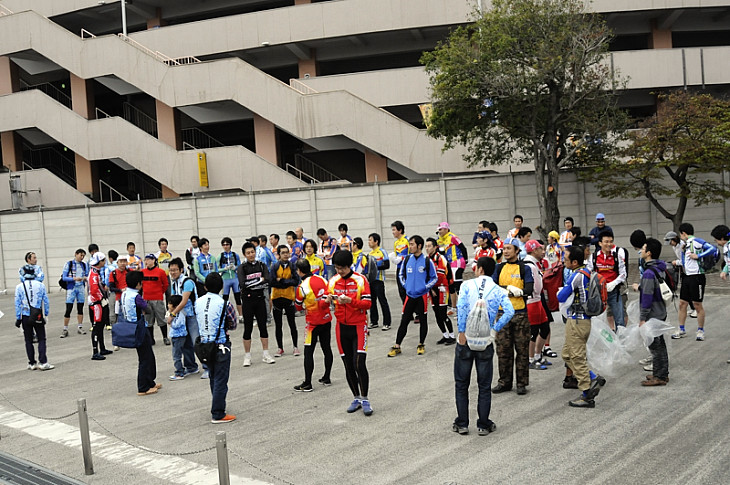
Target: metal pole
{"type": "Point", "coordinates": [124, 17]}
{"type": "Point", "coordinates": [221, 449]}
{"type": "Point", "coordinates": [85, 439]}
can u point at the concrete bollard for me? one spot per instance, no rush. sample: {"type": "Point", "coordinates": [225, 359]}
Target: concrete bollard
{"type": "Point", "coordinates": [221, 448]}
{"type": "Point", "coordinates": [85, 439]}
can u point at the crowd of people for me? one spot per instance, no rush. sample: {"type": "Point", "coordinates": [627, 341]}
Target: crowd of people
{"type": "Point", "coordinates": [520, 280]}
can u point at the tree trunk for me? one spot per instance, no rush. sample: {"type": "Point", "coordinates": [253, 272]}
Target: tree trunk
{"type": "Point", "coordinates": [546, 182]}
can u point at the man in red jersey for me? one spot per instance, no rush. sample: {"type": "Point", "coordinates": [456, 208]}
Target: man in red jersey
{"type": "Point", "coordinates": [99, 306]}
{"type": "Point", "coordinates": [154, 287]}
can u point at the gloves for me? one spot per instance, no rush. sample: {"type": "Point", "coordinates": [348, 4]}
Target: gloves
{"type": "Point", "coordinates": [514, 291]}
{"type": "Point", "coordinates": [610, 286]}
{"type": "Point", "coordinates": [18, 323]}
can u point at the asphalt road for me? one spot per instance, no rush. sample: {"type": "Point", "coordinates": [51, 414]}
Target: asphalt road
{"type": "Point", "coordinates": [663, 435]}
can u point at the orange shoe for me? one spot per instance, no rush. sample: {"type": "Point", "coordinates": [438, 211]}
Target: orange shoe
{"type": "Point", "coordinates": [225, 419]}
{"type": "Point", "coordinates": [150, 391]}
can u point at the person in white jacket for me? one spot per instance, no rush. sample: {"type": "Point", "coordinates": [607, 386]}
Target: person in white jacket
{"type": "Point", "coordinates": [539, 322]}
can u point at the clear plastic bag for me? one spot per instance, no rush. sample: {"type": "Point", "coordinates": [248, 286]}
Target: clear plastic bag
{"type": "Point", "coordinates": [634, 312]}
{"type": "Point", "coordinates": [631, 339]}
{"type": "Point", "coordinates": [654, 328]}
{"type": "Point", "coordinates": [478, 332]}
{"type": "Point", "coordinates": [606, 354]}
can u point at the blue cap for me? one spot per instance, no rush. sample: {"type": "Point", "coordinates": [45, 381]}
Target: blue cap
{"type": "Point", "coordinates": [600, 216]}
{"type": "Point", "coordinates": [484, 235]}
{"type": "Point", "coordinates": [513, 241]}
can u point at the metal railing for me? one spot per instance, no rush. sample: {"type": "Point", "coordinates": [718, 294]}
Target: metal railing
{"type": "Point", "coordinates": [140, 119]}
{"type": "Point", "coordinates": [301, 87]}
{"type": "Point", "coordinates": [312, 172]}
{"type": "Point", "coordinates": [5, 11]}
{"type": "Point", "coordinates": [114, 194]}
{"type": "Point", "coordinates": [101, 114]}
{"type": "Point", "coordinates": [159, 55]}
{"type": "Point", "coordinates": [197, 139]}
{"type": "Point", "coordinates": [136, 184]}
{"type": "Point", "coordinates": [52, 159]}
{"type": "Point", "coordinates": [49, 90]}
{"type": "Point", "coordinates": [85, 34]}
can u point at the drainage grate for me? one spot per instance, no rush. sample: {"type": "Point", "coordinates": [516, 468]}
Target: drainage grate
{"type": "Point", "coordinates": [17, 471]}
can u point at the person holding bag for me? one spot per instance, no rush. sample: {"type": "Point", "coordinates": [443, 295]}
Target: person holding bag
{"type": "Point", "coordinates": [472, 291]}
{"type": "Point", "coordinates": [29, 296]}
{"type": "Point", "coordinates": [132, 309]}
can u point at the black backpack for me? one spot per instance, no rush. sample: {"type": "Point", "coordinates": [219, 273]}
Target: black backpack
{"type": "Point", "coordinates": [63, 283]}
{"type": "Point", "coordinates": [615, 260]}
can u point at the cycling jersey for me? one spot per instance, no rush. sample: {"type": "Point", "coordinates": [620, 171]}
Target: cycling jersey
{"type": "Point", "coordinates": [327, 249]}
{"type": "Point", "coordinates": [356, 287]}
{"type": "Point", "coordinates": [163, 261]}
{"type": "Point", "coordinates": [95, 292]}
{"type": "Point", "coordinates": [400, 246]}
{"type": "Point", "coordinates": [203, 265]}
{"type": "Point", "coordinates": [483, 253]}
{"type": "Point", "coordinates": [311, 295]}
{"type": "Point", "coordinates": [316, 265]}
{"type": "Point", "coordinates": [134, 263]}
{"type": "Point", "coordinates": [287, 283]}
{"type": "Point", "coordinates": [380, 258]}
{"type": "Point", "coordinates": [359, 262]}
{"type": "Point", "coordinates": [227, 263]}
{"type": "Point", "coordinates": [74, 269]}
{"type": "Point", "coordinates": [449, 244]}
{"type": "Point", "coordinates": [345, 242]}
{"type": "Point", "coordinates": [36, 293]}
{"type": "Point", "coordinates": [37, 273]}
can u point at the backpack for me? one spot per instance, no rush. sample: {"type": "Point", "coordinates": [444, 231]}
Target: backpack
{"type": "Point", "coordinates": [371, 269]}
{"type": "Point", "coordinates": [665, 289]}
{"type": "Point", "coordinates": [708, 262]}
{"type": "Point", "coordinates": [552, 280]}
{"type": "Point", "coordinates": [478, 329]}
{"type": "Point", "coordinates": [233, 255]}
{"type": "Point", "coordinates": [63, 283]}
{"type": "Point", "coordinates": [428, 267]}
{"type": "Point", "coordinates": [615, 260]}
{"type": "Point", "coordinates": [597, 297]}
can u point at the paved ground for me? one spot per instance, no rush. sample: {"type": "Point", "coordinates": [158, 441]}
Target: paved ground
{"type": "Point", "coordinates": [675, 434]}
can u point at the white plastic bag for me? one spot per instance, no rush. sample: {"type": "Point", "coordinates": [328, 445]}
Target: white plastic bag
{"type": "Point", "coordinates": [634, 312]}
{"type": "Point", "coordinates": [654, 328]}
{"type": "Point", "coordinates": [631, 339]}
{"type": "Point", "coordinates": [478, 334]}
{"type": "Point", "coordinates": [606, 355]}
{"type": "Point", "coordinates": [565, 306]}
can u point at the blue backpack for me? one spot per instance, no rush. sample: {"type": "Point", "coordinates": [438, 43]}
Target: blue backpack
{"type": "Point", "coordinates": [708, 262]}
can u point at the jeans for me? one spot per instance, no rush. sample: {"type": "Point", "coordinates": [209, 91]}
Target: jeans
{"type": "Point", "coordinates": [40, 332]}
{"type": "Point", "coordinates": [463, 360]}
{"type": "Point", "coordinates": [177, 353]}
{"type": "Point", "coordinates": [377, 293]}
{"type": "Point", "coordinates": [219, 370]}
{"type": "Point", "coordinates": [616, 306]}
{"type": "Point", "coordinates": [147, 368]}
{"type": "Point", "coordinates": [660, 358]}
{"type": "Point", "coordinates": [191, 323]}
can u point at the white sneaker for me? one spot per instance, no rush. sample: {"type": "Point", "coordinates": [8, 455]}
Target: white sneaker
{"type": "Point", "coordinates": [116, 348]}
{"type": "Point", "coordinates": [693, 314]}
{"type": "Point", "coordinates": [268, 359]}
{"type": "Point", "coordinates": [679, 334]}
{"type": "Point", "coordinates": [46, 366]}
{"type": "Point", "coordinates": [247, 361]}
{"type": "Point", "coordinates": [649, 367]}
{"type": "Point", "coordinates": [32, 366]}
{"type": "Point", "coordinates": [646, 361]}
{"type": "Point", "coordinates": [700, 334]}
{"type": "Point", "coordinates": [240, 319]}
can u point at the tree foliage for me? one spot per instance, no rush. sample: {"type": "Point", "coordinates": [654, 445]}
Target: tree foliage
{"type": "Point", "coordinates": [527, 81]}
{"type": "Point", "coordinates": [678, 153]}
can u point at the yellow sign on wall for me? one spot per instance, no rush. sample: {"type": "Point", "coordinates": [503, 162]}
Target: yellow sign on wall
{"type": "Point", "coordinates": [203, 169]}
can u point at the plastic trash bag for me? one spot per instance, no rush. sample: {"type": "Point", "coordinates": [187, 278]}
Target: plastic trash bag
{"type": "Point", "coordinates": [478, 331]}
{"type": "Point", "coordinates": [606, 354]}
{"type": "Point", "coordinates": [634, 312]}
{"type": "Point", "coordinates": [631, 339]}
{"type": "Point", "coordinates": [654, 328]}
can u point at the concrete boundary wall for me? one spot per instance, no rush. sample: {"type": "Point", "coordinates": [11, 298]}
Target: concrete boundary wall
{"type": "Point", "coordinates": [54, 234]}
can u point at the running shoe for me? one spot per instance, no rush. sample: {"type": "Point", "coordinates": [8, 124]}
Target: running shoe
{"type": "Point", "coordinates": [64, 334]}
{"type": "Point", "coordinates": [458, 429]}
{"type": "Point", "coordinates": [693, 314]}
{"type": "Point", "coordinates": [537, 365]}
{"type": "Point", "coordinates": [45, 366]}
{"type": "Point", "coordinates": [267, 359]}
{"type": "Point", "coordinates": [679, 334]}
{"type": "Point", "coordinates": [366, 409]}
{"type": "Point", "coordinates": [98, 357]}
{"type": "Point", "coordinates": [81, 331]}
{"type": "Point", "coordinates": [442, 341]}
{"type": "Point", "coordinates": [649, 367]}
{"type": "Point", "coordinates": [108, 328]}
{"type": "Point", "coordinates": [106, 352]}
{"type": "Point", "coordinates": [596, 385]}
{"type": "Point", "coordinates": [420, 350]}
{"type": "Point", "coordinates": [192, 372]}
{"type": "Point", "coordinates": [225, 419]}
{"type": "Point", "coordinates": [646, 361]}
{"type": "Point", "coordinates": [166, 341]}
{"type": "Point", "coordinates": [247, 361]}
{"type": "Point", "coordinates": [394, 351]}
{"type": "Point", "coordinates": [491, 428]}
{"type": "Point", "coordinates": [354, 405]}
{"type": "Point", "coordinates": [450, 341]}
{"type": "Point", "coordinates": [303, 387]}
{"type": "Point", "coordinates": [582, 402]}
{"type": "Point", "coordinates": [325, 382]}
{"type": "Point", "coordinates": [279, 352]}
{"type": "Point", "coordinates": [700, 335]}
{"type": "Point", "coordinates": [116, 348]}
{"type": "Point", "coordinates": [296, 352]}
{"type": "Point", "coordinates": [176, 378]}
{"type": "Point", "coordinates": [205, 375]}
{"type": "Point", "coordinates": [386, 328]}
{"type": "Point", "coordinates": [32, 366]}
{"type": "Point", "coordinates": [373, 325]}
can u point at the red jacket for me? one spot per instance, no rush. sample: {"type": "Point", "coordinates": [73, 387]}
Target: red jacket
{"type": "Point", "coordinates": [356, 286]}
{"type": "Point", "coordinates": [95, 293]}
{"type": "Point", "coordinates": [154, 283]}
{"type": "Point", "coordinates": [117, 283]}
{"type": "Point", "coordinates": [312, 296]}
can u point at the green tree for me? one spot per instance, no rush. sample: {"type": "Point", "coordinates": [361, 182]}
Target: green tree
{"type": "Point", "coordinates": [527, 82]}
{"type": "Point", "coordinates": [678, 153]}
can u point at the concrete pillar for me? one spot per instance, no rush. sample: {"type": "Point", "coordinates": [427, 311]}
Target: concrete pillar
{"type": "Point", "coordinates": [168, 125]}
{"type": "Point", "coordinates": [156, 21]}
{"type": "Point", "coordinates": [375, 166]}
{"type": "Point", "coordinates": [87, 177]}
{"type": "Point", "coordinates": [82, 97]}
{"type": "Point", "coordinates": [309, 67]}
{"type": "Point", "coordinates": [168, 193]}
{"type": "Point", "coordinates": [266, 139]}
{"type": "Point", "coordinates": [9, 76]}
{"type": "Point", "coordinates": [12, 151]}
{"type": "Point", "coordinates": [660, 38]}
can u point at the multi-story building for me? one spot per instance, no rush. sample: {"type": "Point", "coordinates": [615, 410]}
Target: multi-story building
{"type": "Point", "coordinates": [277, 93]}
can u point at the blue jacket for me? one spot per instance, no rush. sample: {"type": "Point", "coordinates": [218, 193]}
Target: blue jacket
{"type": "Point", "coordinates": [133, 305]}
{"type": "Point", "coordinates": [72, 269]}
{"type": "Point", "coordinates": [177, 326]}
{"type": "Point", "coordinates": [413, 275]}
{"type": "Point", "coordinates": [492, 294]}
{"type": "Point", "coordinates": [577, 284]}
{"type": "Point", "coordinates": [208, 311]}
{"type": "Point", "coordinates": [37, 295]}
{"type": "Point", "coordinates": [180, 286]}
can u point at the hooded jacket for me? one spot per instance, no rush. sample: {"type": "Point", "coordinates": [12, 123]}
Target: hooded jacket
{"type": "Point", "coordinates": [650, 297]}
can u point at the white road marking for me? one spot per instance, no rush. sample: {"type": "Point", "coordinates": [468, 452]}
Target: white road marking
{"type": "Point", "coordinates": [172, 468]}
